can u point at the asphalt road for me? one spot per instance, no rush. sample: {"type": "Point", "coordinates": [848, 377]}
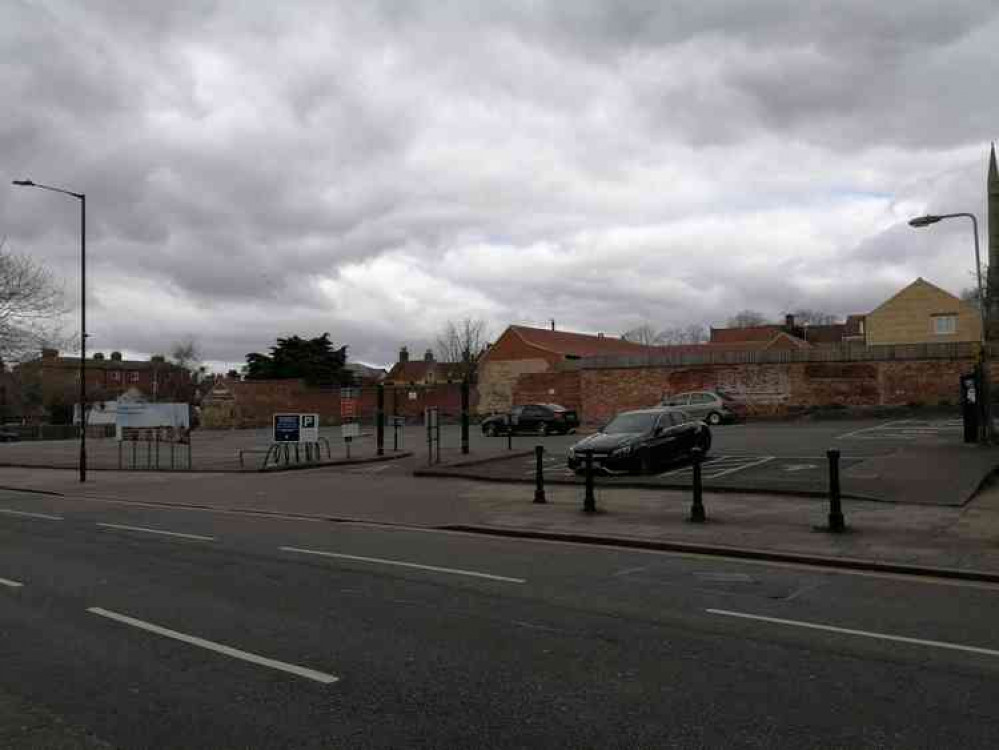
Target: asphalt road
{"type": "Point", "coordinates": [157, 628]}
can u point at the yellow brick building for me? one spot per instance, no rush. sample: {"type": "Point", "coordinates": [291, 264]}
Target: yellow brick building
{"type": "Point", "coordinates": [923, 313]}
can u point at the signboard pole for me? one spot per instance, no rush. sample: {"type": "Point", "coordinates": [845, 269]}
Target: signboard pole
{"type": "Point", "coordinates": [464, 415]}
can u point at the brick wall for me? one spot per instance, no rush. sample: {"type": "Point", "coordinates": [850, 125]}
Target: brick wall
{"type": "Point", "coordinates": [254, 402]}
{"type": "Point", "coordinates": [497, 379]}
{"type": "Point", "coordinates": [771, 388]}
{"type": "Point", "coordinates": [549, 387]}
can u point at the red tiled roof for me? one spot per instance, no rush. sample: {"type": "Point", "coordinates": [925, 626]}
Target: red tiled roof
{"type": "Point", "coordinates": [742, 335]}
{"type": "Point", "coordinates": [576, 344]}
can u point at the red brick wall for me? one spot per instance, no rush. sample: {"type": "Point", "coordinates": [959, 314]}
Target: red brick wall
{"type": "Point", "coordinates": [774, 388]}
{"type": "Point", "coordinates": [535, 388]}
{"type": "Point", "coordinates": [256, 401]}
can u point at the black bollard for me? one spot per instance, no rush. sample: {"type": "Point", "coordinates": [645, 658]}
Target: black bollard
{"type": "Point", "coordinates": [837, 523]}
{"type": "Point", "coordinates": [395, 434]}
{"type": "Point", "coordinates": [509, 434]}
{"type": "Point", "coordinates": [380, 421]}
{"type": "Point", "coordinates": [697, 514]}
{"type": "Point", "coordinates": [539, 489]}
{"type": "Point", "coordinates": [589, 501]}
{"type": "Point", "coordinates": [465, 397]}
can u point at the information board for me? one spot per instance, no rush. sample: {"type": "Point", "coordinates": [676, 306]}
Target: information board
{"type": "Point", "coordinates": [287, 428]}
{"type": "Point", "coordinates": [296, 428]}
{"type": "Point", "coordinates": [350, 429]}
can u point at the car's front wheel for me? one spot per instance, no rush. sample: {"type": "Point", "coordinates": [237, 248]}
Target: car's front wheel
{"type": "Point", "coordinates": [714, 418]}
{"type": "Point", "coordinates": [542, 429]}
{"type": "Point", "coordinates": [491, 430]}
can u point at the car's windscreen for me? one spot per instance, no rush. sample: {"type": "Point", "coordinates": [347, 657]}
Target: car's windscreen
{"type": "Point", "coordinates": [631, 423]}
{"type": "Point", "coordinates": [727, 396]}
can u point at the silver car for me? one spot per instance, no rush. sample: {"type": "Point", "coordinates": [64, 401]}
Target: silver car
{"type": "Point", "coordinates": [713, 407]}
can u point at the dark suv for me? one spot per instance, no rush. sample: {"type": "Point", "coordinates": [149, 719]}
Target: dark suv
{"type": "Point", "coordinates": [641, 441]}
{"type": "Point", "coordinates": [537, 419]}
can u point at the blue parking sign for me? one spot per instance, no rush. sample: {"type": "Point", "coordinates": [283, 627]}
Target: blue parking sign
{"type": "Point", "coordinates": [287, 428]}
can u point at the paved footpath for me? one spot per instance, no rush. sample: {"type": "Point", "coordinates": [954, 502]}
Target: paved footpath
{"type": "Point", "coordinates": [965, 538]}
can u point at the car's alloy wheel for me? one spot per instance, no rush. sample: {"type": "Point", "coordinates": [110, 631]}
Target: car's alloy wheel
{"type": "Point", "coordinates": [542, 429]}
{"type": "Point", "coordinates": [714, 418]}
{"type": "Point", "coordinates": [491, 430]}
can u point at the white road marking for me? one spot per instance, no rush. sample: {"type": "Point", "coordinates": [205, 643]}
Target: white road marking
{"type": "Point", "coordinates": [399, 563]}
{"type": "Point", "coordinates": [872, 429]}
{"type": "Point", "coordinates": [157, 531]}
{"type": "Point", "coordinates": [10, 584]}
{"type": "Point", "coordinates": [235, 653]}
{"type": "Point", "coordinates": [706, 462]}
{"type": "Point", "coordinates": [760, 462]}
{"type": "Point", "coordinates": [24, 513]}
{"type": "Point", "coordinates": [863, 633]}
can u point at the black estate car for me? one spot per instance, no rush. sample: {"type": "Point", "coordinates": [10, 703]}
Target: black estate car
{"type": "Point", "coordinates": [641, 441]}
{"type": "Point", "coordinates": [537, 419]}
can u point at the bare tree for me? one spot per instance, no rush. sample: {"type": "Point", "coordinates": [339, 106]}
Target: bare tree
{"type": "Point", "coordinates": [746, 319]}
{"type": "Point", "coordinates": [971, 295]}
{"type": "Point", "coordinates": [809, 317]}
{"type": "Point", "coordinates": [462, 342]}
{"type": "Point", "coordinates": [186, 353]}
{"type": "Point", "coordinates": [644, 334]}
{"type": "Point", "coordinates": [695, 333]}
{"type": "Point", "coordinates": [31, 306]}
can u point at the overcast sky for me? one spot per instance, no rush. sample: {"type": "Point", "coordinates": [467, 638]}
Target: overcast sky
{"type": "Point", "coordinates": [373, 169]}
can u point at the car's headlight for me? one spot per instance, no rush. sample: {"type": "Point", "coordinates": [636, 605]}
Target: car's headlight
{"type": "Point", "coordinates": [624, 450]}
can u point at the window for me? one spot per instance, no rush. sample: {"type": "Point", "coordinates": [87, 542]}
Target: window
{"type": "Point", "coordinates": [133, 377]}
{"type": "Point", "coordinates": [944, 325]}
{"type": "Point", "coordinates": [116, 376]}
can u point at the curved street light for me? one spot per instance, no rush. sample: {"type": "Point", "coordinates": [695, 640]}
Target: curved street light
{"type": "Point", "coordinates": [83, 312]}
{"type": "Point", "coordinates": [925, 221]}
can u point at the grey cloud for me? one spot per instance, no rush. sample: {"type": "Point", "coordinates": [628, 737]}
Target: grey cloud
{"type": "Point", "coordinates": [237, 154]}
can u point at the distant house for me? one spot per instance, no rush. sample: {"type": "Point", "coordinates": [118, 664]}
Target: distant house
{"type": "Point", "coordinates": [50, 386]}
{"type": "Point", "coordinates": [365, 374]}
{"type": "Point", "coordinates": [427, 371]}
{"type": "Point", "coordinates": [520, 350]}
{"type": "Point", "coordinates": [923, 313]}
{"type": "Point", "coordinates": [801, 335]}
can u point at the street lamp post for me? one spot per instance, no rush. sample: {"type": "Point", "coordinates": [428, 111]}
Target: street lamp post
{"type": "Point", "coordinates": [83, 313]}
{"type": "Point", "coordinates": [985, 431]}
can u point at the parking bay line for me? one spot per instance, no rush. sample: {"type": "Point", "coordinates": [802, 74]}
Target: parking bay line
{"type": "Point", "coordinates": [144, 530]}
{"type": "Point", "coordinates": [235, 653]}
{"type": "Point", "coordinates": [874, 428]}
{"type": "Point", "coordinates": [26, 514]}
{"type": "Point", "coordinates": [734, 469]}
{"type": "Point", "coordinates": [401, 564]}
{"type": "Point", "coordinates": [10, 584]}
{"type": "Point", "coordinates": [861, 633]}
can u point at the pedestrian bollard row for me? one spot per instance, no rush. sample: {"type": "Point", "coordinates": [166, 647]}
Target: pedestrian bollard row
{"type": "Point", "coordinates": [698, 513]}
